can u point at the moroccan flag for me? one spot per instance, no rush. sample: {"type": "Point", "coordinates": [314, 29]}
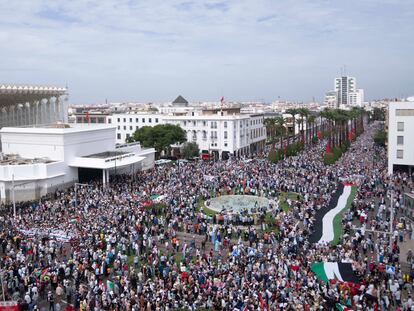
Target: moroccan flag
{"type": "Point", "coordinates": [318, 134]}
{"type": "Point", "coordinates": [350, 135]}
{"type": "Point", "coordinates": [87, 116]}
{"type": "Point", "coordinates": [340, 271]}
{"type": "Point", "coordinates": [328, 148]}
{"type": "Point", "coordinates": [222, 99]}
{"type": "Point", "coordinates": [328, 219]}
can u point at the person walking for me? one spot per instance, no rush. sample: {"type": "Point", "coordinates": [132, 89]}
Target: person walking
{"type": "Point", "coordinates": [51, 300]}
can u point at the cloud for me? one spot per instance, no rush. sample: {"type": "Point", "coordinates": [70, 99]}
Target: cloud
{"type": "Point", "coordinates": [149, 50]}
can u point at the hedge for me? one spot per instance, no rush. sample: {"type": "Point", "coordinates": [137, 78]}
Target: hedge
{"type": "Point", "coordinates": [291, 150]}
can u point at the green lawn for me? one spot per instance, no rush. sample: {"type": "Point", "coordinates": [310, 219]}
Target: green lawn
{"type": "Point", "coordinates": [287, 195]}
{"type": "Point", "coordinates": [206, 210]}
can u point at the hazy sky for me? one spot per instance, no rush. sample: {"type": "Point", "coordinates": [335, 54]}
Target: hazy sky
{"type": "Point", "coordinates": [244, 49]}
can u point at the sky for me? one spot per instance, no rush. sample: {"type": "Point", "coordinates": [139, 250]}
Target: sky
{"type": "Point", "coordinates": [244, 50]}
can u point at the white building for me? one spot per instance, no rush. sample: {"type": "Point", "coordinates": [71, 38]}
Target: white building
{"type": "Point", "coordinates": [343, 86]}
{"type": "Point", "coordinates": [38, 160]}
{"type": "Point", "coordinates": [356, 98]}
{"type": "Point", "coordinates": [222, 132]}
{"type": "Point", "coordinates": [216, 131]}
{"type": "Point", "coordinates": [331, 99]}
{"type": "Point", "coordinates": [400, 140]}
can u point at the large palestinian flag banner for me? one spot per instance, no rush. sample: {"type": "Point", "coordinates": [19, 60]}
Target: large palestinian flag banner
{"type": "Point", "coordinates": [328, 224]}
{"type": "Point", "coordinates": [326, 271]}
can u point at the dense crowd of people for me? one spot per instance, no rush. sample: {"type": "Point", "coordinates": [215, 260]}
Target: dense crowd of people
{"type": "Point", "coordinates": [115, 249]}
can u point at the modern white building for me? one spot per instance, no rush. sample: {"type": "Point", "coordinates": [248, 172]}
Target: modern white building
{"type": "Point", "coordinates": [345, 94]}
{"type": "Point", "coordinates": [356, 98]}
{"type": "Point", "coordinates": [400, 136]}
{"type": "Point", "coordinates": [38, 160]}
{"type": "Point", "coordinates": [29, 104]}
{"type": "Point", "coordinates": [343, 86]}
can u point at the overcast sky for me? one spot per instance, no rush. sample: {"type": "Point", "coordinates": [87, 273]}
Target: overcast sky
{"type": "Point", "coordinates": [136, 50]}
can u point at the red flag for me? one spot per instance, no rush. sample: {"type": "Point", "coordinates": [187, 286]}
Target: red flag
{"type": "Point", "coordinates": [87, 116]}
{"type": "Point", "coordinates": [262, 303]}
{"type": "Point", "coordinates": [222, 99]}
{"type": "Point", "coordinates": [318, 134]}
{"type": "Point", "coordinates": [350, 135]}
{"type": "Point", "coordinates": [328, 148]}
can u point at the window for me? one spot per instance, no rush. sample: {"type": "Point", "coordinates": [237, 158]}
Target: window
{"type": "Point", "coordinates": [225, 124]}
{"type": "Point", "coordinates": [225, 134]}
{"type": "Point", "coordinates": [225, 144]}
{"type": "Point", "coordinates": [130, 127]}
{"type": "Point", "coordinates": [400, 140]}
{"type": "Point", "coordinates": [109, 121]}
{"type": "Point", "coordinates": [130, 120]}
{"type": "Point", "coordinates": [204, 123]}
{"type": "Point", "coordinates": [194, 122]}
{"type": "Point", "coordinates": [400, 154]}
{"type": "Point", "coordinates": [404, 112]}
{"type": "Point", "coordinates": [156, 120]}
{"type": "Point", "coordinates": [136, 120]}
{"type": "Point", "coordinates": [124, 119]}
{"type": "Point", "coordinates": [136, 127]}
{"type": "Point", "coordinates": [118, 136]}
{"type": "Point", "coordinates": [124, 127]}
{"type": "Point", "coordinates": [400, 126]}
{"type": "Point", "coordinates": [143, 120]}
{"type": "Point", "coordinates": [119, 127]}
{"type": "Point", "coordinates": [119, 120]}
{"type": "Point", "coordinates": [149, 120]}
{"type": "Point", "coordinates": [127, 136]}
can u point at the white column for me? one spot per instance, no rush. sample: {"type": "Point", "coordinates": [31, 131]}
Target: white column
{"type": "Point", "coordinates": [104, 177]}
{"type": "Point", "coordinates": [107, 177]}
{"type": "Point", "coordinates": [48, 111]}
{"type": "Point", "coordinates": [58, 109]}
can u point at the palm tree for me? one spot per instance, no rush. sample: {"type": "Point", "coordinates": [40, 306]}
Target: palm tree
{"type": "Point", "coordinates": [328, 115]}
{"type": "Point", "coordinates": [281, 126]}
{"type": "Point", "coordinates": [270, 124]}
{"type": "Point", "coordinates": [303, 113]}
{"type": "Point", "coordinates": [293, 112]}
{"type": "Point", "coordinates": [310, 127]}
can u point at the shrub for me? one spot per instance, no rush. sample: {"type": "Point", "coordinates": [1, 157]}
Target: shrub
{"type": "Point", "coordinates": [380, 138]}
{"type": "Point", "coordinates": [329, 158]}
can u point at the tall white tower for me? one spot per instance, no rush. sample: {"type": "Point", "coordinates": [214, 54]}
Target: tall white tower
{"type": "Point", "coordinates": [344, 86]}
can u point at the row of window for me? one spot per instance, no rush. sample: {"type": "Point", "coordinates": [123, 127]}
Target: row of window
{"type": "Point", "coordinates": [136, 120]}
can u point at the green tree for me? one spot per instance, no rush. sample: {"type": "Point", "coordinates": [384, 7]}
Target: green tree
{"type": "Point", "coordinates": [160, 137]}
{"type": "Point", "coordinates": [270, 124]}
{"type": "Point", "coordinates": [190, 149]}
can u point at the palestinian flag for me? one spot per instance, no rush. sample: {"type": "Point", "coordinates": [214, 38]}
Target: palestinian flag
{"type": "Point", "coordinates": [326, 271]}
{"type": "Point", "coordinates": [340, 307]}
{"type": "Point", "coordinates": [328, 224]}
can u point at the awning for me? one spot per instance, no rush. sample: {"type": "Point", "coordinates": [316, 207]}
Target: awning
{"type": "Point", "coordinates": [100, 162]}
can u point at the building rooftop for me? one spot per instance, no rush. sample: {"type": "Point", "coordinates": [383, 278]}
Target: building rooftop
{"type": "Point", "coordinates": [106, 154]}
{"type": "Point", "coordinates": [180, 101]}
{"type": "Point", "coordinates": [15, 159]}
{"type": "Point", "coordinates": [57, 128]}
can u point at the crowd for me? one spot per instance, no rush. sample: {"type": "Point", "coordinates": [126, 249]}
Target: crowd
{"type": "Point", "coordinates": [113, 249]}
